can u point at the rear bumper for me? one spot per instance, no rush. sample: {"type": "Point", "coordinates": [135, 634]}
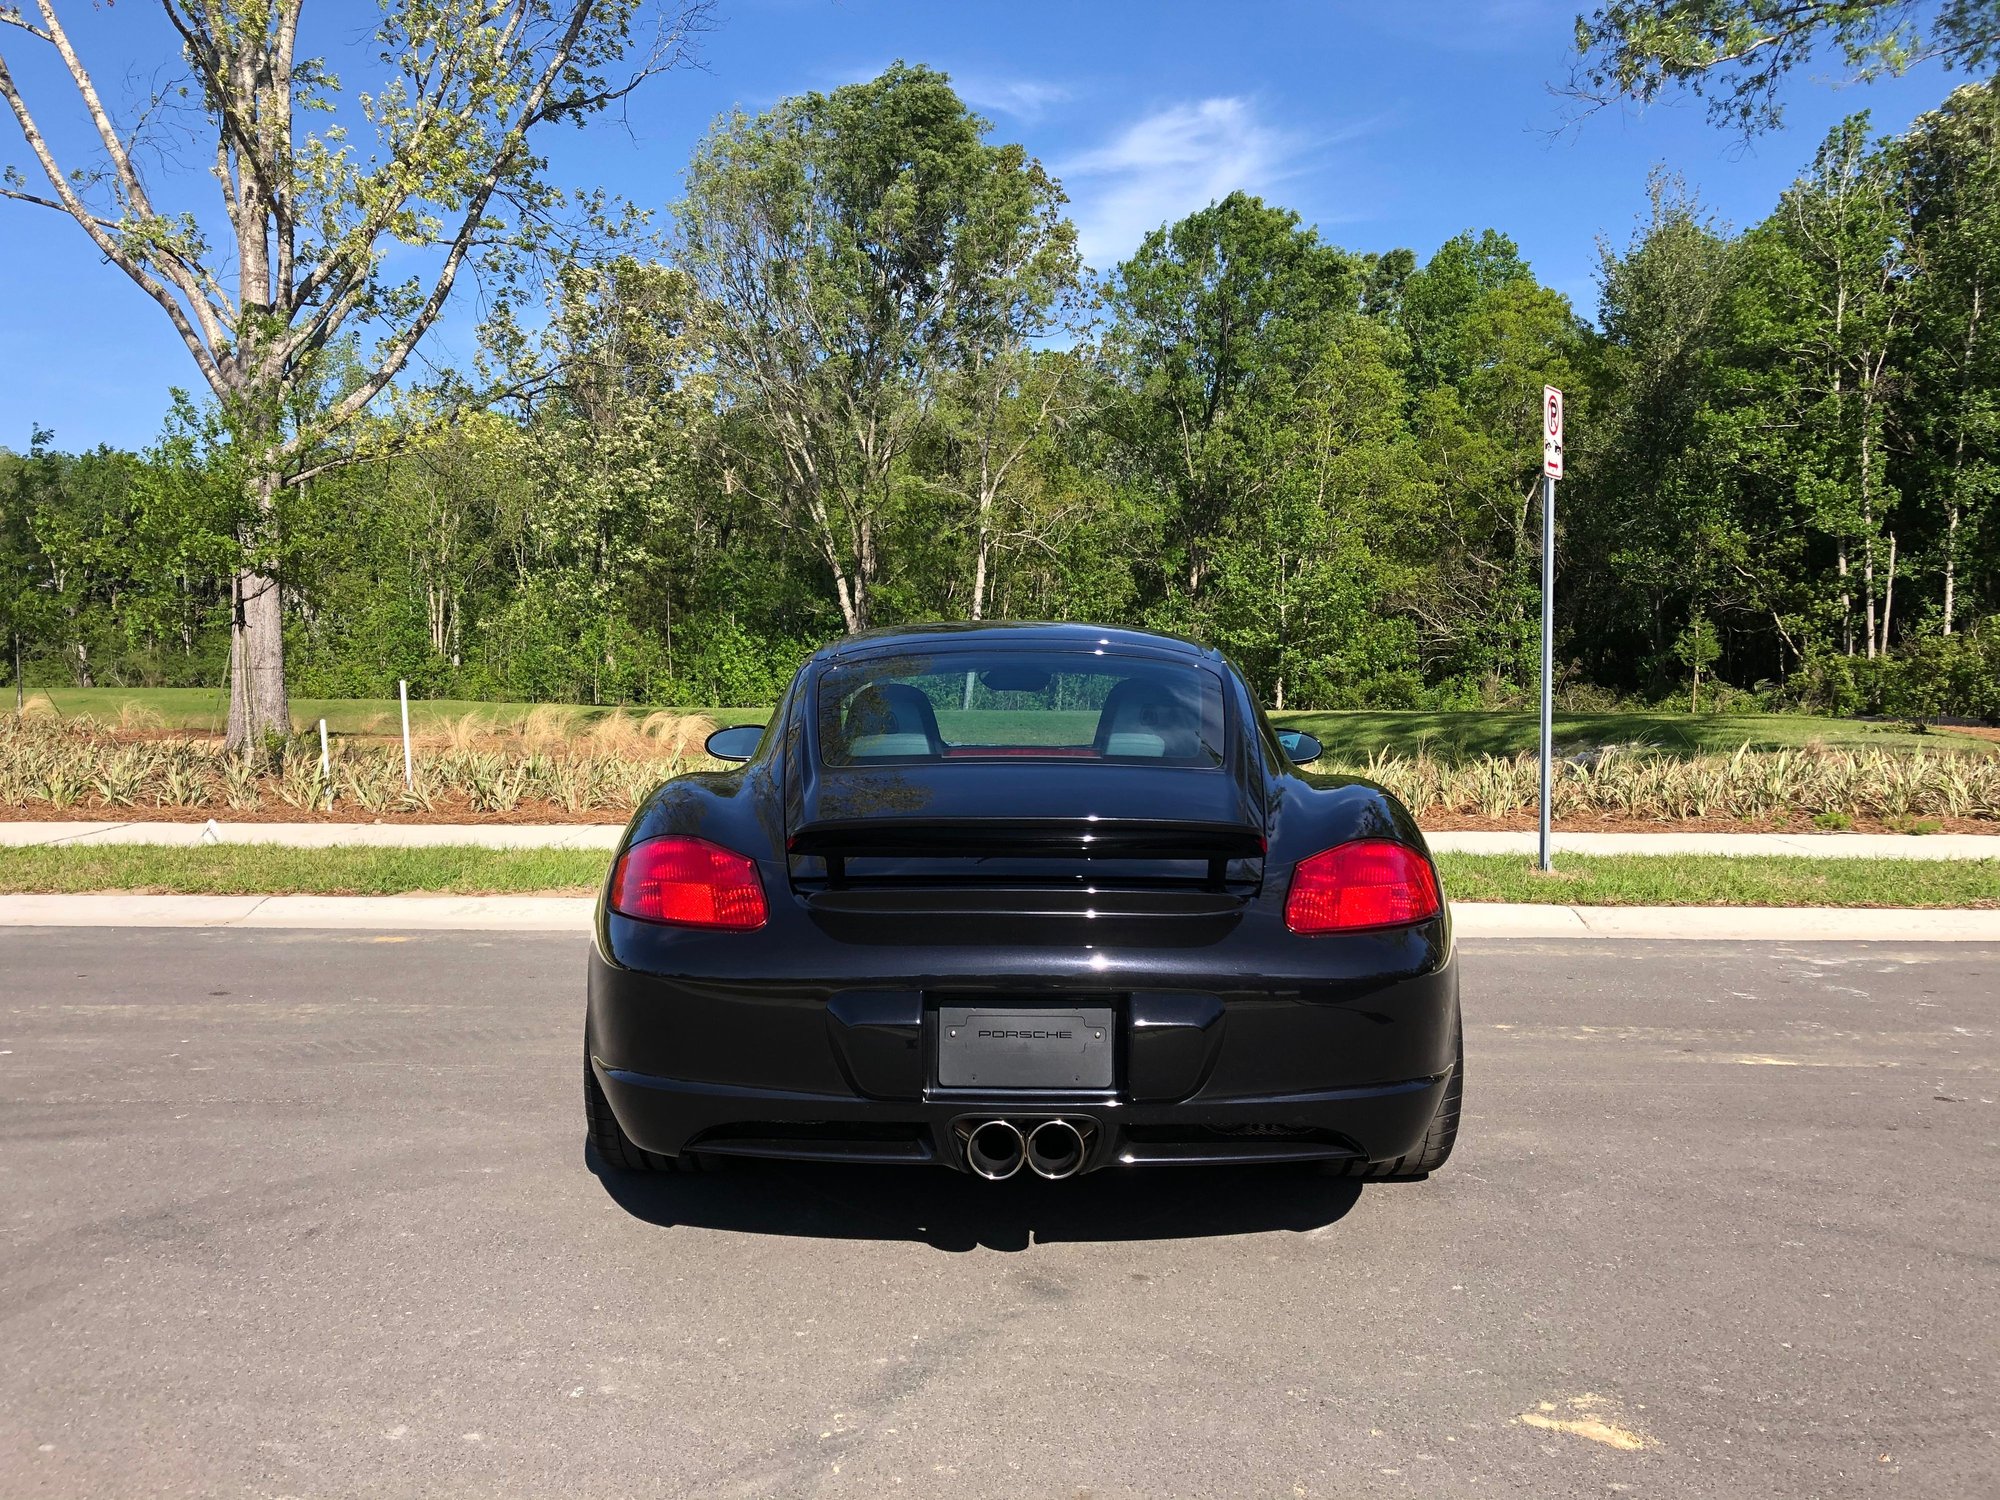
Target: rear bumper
{"type": "Point", "coordinates": [671, 1115]}
{"type": "Point", "coordinates": [1292, 1050]}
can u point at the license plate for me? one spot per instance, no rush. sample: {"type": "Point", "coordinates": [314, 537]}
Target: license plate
{"type": "Point", "coordinates": [980, 1047]}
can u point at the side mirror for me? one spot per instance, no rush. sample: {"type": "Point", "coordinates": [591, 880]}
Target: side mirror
{"type": "Point", "coordinates": [1300, 746]}
{"type": "Point", "coordinates": [737, 742]}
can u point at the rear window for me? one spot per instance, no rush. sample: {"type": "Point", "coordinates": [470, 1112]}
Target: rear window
{"type": "Point", "coordinates": [1019, 705]}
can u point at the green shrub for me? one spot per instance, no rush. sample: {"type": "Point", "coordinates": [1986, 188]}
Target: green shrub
{"type": "Point", "coordinates": [1927, 678]}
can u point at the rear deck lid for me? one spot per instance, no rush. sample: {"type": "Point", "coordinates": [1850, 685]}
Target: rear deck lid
{"type": "Point", "coordinates": [1026, 809]}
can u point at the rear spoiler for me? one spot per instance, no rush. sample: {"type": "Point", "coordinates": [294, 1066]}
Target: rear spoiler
{"type": "Point", "coordinates": [1028, 838]}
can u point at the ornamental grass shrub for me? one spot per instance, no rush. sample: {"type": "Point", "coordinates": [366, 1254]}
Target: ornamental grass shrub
{"type": "Point", "coordinates": [84, 766]}
{"type": "Point", "coordinates": [80, 765]}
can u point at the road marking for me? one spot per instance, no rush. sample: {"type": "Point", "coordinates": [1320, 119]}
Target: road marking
{"type": "Point", "coordinates": [1590, 1421]}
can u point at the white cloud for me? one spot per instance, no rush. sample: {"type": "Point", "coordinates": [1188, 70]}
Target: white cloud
{"type": "Point", "coordinates": [1168, 164]}
{"type": "Point", "coordinates": [1022, 98]}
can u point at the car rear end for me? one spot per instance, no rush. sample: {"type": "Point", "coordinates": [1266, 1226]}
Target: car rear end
{"type": "Point", "coordinates": [1050, 954]}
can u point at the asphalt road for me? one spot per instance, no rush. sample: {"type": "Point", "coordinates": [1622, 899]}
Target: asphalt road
{"type": "Point", "coordinates": [310, 1215]}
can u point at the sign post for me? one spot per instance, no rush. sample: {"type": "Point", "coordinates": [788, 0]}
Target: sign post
{"type": "Point", "coordinates": [1552, 468]}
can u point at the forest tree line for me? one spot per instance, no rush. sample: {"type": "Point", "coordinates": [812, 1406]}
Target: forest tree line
{"type": "Point", "coordinates": [866, 379]}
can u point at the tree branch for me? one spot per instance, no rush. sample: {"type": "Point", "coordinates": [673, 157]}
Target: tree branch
{"type": "Point", "coordinates": [102, 237]}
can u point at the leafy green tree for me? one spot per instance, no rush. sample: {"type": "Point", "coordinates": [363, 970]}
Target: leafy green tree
{"type": "Point", "coordinates": [1736, 53]}
{"type": "Point", "coordinates": [1952, 187]}
{"type": "Point", "coordinates": [1485, 337]}
{"type": "Point", "coordinates": [24, 613]}
{"type": "Point", "coordinates": [1314, 577]}
{"type": "Point", "coordinates": [1697, 649]}
{"type": "Point", "coordinates": [609, 455]}
{"type": "Point", "coordinates": [1437, 302]}
{"type": "Point", "coordinates": [309, 220]}
{"type": "Point", "coordinates": [1662, 529]}
{"type": "Point", "coordinates": [1218, 321]}
{"type": "Point", "coordinates": [1823, 304]}
{"type": "Point", "coordinates": [857, 249]}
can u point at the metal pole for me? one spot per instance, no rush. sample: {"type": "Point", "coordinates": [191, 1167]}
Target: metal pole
{"type": "Point", "coordinates": [409, 776]}
{"type": "Point", "coordinates": [1548, 655]}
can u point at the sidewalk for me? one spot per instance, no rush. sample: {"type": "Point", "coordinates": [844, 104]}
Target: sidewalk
{"type": "Point", "coordinates": [572, 914]}
{"type": "Point", "coordinates": [606, 836]}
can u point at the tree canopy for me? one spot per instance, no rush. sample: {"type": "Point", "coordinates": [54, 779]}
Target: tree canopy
{"type": "Point", "coordinates": [868, 381]}
{"type": "Point", "coordinates": [1737, 53]}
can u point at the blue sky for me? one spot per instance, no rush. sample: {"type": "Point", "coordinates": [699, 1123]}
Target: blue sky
{"type": "Point", "coordinates": [1383, 124]}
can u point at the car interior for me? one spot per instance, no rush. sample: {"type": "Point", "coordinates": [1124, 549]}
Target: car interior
{"type": "Point", "coordinates": [1141, 719]}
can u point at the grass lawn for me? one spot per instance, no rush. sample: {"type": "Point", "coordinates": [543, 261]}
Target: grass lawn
{"type": "Point", "coordinates": [1350, 736]}
{"type": "Point", "coordinates": [206, 710]}
{"type": "Point", "coordinates": [1722, 880]}
{"type": "Point", "coordinates": [269, 869]}
{"type": "Point", "coordinates": [1610, 880]}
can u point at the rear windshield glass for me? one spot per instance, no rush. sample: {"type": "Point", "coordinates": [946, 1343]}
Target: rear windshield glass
{"type": "Point", "coordinates": [1020, 705]}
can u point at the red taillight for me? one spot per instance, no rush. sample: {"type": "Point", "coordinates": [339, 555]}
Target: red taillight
{"type": "Point", "coordinates": [1368, 883]}
{"type": "Point", "coordinates": [689, 882]}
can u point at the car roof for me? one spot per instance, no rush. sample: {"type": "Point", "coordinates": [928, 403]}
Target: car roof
{"type": "Point", "coordinates": [1053, 635]}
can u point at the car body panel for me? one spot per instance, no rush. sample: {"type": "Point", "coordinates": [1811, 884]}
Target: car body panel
{"type": "Point", "coordinates": [1237, 1039]}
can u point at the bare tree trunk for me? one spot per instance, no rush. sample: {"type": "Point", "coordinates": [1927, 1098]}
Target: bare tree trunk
{"type": "Point", "coordinates": [1950, 562]}
{"type": "Point", "coordinates": [1846, 600]}
{"type": "Point", "coordinates": [845, 590]}
{"type": "Point", "coordinates": [1958, 458]}
{"type": "Point", "coordinates": [257, 704]}
{"type": "Point", "coordinates": [1868, 524]}
{"type": "Point", "coordinates": [1889, 594]}
{"type": "Point", "coordinates": [979, 562]}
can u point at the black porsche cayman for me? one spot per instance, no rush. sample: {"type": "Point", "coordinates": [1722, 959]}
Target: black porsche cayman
{"type": "Point", "coordinates": [1022, 897]}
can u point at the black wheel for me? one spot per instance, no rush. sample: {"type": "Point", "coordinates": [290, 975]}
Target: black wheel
{"type": "Point", "coordinates": [614, 1147]}
{"type": "Point", "coordinates": [1435, 1150]}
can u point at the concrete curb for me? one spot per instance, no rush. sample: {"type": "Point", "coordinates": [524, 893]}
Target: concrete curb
{"type": "Point", "coordinates": [606, 836]}
{"type": "Point", "coordinates": [1475, 920]}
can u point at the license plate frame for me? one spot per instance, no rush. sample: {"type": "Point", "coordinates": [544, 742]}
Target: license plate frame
{"type": "Point", "coordinates": [1014, 1048]}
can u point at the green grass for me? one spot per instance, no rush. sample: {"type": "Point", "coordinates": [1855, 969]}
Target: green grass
{"type": "Point", "coordinates": [206, 710]}
{"type": "Point", "coordinates": [1350, 736]}
{"type": "Point", "coordinates": [1614, 880]}
{"type": "Point", "coordinates": [1722, 880]}
{"type": "Point", "coordinates": [271, 869]}
{"type": "Point", "coordinates": [1353, 735]}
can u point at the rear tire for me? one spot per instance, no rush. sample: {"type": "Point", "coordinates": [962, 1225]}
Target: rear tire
{"type": "Point", "coordinates": [1435, 1150]}
{"type": "Point", "coordinates": [614, 1147]}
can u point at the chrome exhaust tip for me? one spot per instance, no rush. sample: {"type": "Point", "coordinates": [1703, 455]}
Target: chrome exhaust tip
{"type": "Point", "coordinates": [1055, 1149]}
{"type": "Point", "coordinates": [994, 1149]}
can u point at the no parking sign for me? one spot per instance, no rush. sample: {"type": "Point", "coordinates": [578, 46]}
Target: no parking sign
{"type": "Point", "coordinates": [1552, 432]}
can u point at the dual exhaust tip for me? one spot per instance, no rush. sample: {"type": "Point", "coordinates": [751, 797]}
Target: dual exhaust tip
{"type": "Point", "coordinates": [997, 1149]}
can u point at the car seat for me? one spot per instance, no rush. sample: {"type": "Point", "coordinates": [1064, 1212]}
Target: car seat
{"type": "Point", "coordinates": [1147, 719]}
{"type": "Point", "coordinates": [891, 719]}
